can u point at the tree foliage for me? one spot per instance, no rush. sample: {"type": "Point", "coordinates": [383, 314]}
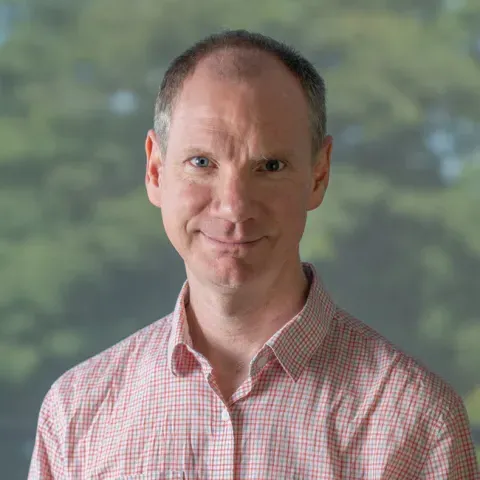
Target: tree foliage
{"type": "Point", "coordinates": [84, 260]}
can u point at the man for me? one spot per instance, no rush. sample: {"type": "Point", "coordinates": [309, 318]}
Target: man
{"type": "Point", "coordinates": [257, 374]}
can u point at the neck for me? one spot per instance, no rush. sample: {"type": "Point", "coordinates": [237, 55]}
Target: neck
{"type": "Point", "coordinates": [229, 327]}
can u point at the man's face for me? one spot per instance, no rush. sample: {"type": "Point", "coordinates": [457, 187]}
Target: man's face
{"type": "Point", "coordinates": [238, 177]}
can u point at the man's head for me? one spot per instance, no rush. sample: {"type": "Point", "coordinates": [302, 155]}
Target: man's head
{"type": "Point", "coordinates": [238, 156]}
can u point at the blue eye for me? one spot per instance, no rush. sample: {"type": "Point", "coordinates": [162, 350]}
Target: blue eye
{"type": "Point", "coordinates": [274, 165]}
{"type": "Point", "coordinates": [200, 162]}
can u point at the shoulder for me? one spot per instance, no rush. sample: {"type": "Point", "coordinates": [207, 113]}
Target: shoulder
{"type": "Point", "coordinates": [399, 399]}
{"type": "Point", "coordinates": [89, 382]}
{"type": "Point", "coordinates": [380, 369]}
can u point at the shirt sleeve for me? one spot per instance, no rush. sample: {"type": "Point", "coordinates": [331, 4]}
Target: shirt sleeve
{"type": "Point", "coordinates": [47, 459]}
{"type": "Point", "coordinates": [452, 455]}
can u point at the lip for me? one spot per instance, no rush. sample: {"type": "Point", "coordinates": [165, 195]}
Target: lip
{"type": "Point", "coordinates": [226, 242]}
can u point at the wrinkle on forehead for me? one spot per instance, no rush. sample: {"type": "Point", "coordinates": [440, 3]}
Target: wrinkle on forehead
{"type": "Point", "coordinates": [216, 137]}
{"type": "Point", "coordinates": [265, 111]}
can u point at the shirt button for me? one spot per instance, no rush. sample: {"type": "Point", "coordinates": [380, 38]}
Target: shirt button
{"type": "Point", "coordinates": [262, 361]}
{"type": "Point", "coordinates": [225, 415]}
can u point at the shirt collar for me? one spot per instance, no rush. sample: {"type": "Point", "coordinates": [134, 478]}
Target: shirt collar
{"type": "Point", "coordinates": [293, 345]}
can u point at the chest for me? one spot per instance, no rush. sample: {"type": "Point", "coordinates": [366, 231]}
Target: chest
{"type": "Point", "coordinates": [272, 430]}
{"type": "Point", "coordinates": [192, 448]}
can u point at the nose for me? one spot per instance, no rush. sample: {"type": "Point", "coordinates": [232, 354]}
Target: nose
{"type": "Point", "coordinates": [234, 196]}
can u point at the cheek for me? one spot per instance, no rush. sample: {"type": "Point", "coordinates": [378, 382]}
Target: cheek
{"type": "Point", "coordinates": [289, 209]}
{"type": "Point", "coordinates": [184, 200]}
{"type": "Point", "coordinates": [294, 218]}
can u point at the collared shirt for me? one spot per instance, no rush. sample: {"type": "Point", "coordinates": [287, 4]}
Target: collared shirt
{"type": "Point", "coordinates": [327, 397]}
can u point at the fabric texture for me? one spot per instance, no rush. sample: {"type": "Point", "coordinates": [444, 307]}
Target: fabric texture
{"type": "Point", "coordinates": [327, 398]}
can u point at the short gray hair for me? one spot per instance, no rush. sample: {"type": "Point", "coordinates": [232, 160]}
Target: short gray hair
{"type": "Point", "coordinates": [184, 65]}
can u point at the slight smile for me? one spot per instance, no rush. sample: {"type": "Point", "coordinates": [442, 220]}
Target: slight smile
{"type": "Point", "coordinates": [230, 242]}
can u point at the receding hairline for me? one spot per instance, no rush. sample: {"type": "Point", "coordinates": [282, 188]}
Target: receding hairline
{"type": "Point", "coordinates": [237, 62]}
{"type": "Point", "coordinates": [242, 55]}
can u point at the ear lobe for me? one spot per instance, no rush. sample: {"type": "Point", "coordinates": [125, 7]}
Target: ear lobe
{"type": "Point", "coordinates": [316, 197]}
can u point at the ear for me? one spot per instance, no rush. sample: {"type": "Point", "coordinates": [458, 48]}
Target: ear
{"type": "Point", "coordinates": [153, 175]}
{"type": "Point", "coordinates": [320, 173]}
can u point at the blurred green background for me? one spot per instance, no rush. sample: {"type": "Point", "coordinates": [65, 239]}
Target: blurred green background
{"type": "Point", "coordinates": [84, 261]}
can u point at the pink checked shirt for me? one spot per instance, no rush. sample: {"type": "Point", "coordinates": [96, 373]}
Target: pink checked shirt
{"type": "Point", "coordinates": [327, 398]}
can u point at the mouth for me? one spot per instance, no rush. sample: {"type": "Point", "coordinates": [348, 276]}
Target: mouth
{"type": "Point", "coordinates": [230, 242]}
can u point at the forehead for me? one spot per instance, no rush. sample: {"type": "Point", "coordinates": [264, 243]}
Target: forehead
{"type": "Point", "coordinates": [249, 99]}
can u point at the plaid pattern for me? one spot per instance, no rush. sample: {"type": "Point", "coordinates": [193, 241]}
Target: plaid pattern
{"type": "Point", "coordinates": [327, 398]}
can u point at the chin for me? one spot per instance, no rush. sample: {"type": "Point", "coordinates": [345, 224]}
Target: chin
{"type": "Point", "coordinates": [229, 272]}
